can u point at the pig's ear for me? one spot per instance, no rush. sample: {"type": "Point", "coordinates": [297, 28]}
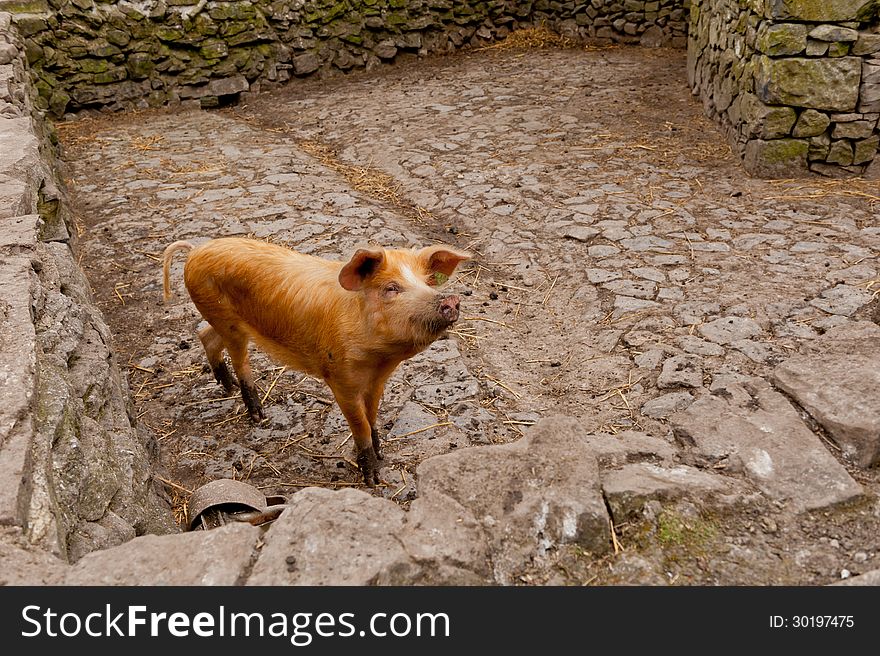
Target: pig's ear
{"type": "Point", "coordinates": [363, 264]}
{"type": "Point", "coordinates": [442, 259]}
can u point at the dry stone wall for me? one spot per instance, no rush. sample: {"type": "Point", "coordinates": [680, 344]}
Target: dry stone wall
{"type": "Point", "coordinates": [794, 83]}
{"type": "Point", "coordinates": [141, 53]}
{"type": "Point", "coordinates": [75, 472]}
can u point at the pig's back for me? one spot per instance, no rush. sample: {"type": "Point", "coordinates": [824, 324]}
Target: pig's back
{"type": "Point", "coordinates": [287, 300]}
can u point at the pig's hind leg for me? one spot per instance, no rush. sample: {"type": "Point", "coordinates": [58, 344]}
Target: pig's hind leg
{"type": "Point", "coordinates": [214, 346]}
{"type": "Point", "coordinates": [236, 341]}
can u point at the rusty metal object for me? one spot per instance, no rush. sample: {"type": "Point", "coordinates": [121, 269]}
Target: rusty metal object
{"type": "Point", "coordinates": [225, 500]}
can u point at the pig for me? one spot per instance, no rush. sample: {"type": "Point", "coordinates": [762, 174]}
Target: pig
{"type": "Point", "coordinates": [348, 323]}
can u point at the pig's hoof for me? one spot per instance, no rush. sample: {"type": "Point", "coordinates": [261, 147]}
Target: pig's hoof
{"type": "Point", "coordinates": [224, 377]}
{"type": "Point", "coordinates": [369, 467]}
{"type": "Point", "coordinates": [256, 415]}
{"type": "Point", "coordinates": [252, 403]}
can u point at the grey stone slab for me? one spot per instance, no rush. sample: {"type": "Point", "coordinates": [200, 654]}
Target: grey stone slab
{"type": "Point", "coordinates": [618, 449]}
{"type": "Point", "coordinates": [602, 250]}
{"type": "Point", "coordinates": [841, 391]}
{"type": "Point", "coordinates": [597, 276]}
{"type": "Point", "coordinates": [647, 243]}
{"type": "Point", "coordinates": [19, 232]}
{"type": "Point", "coordinates": [18, 367]}
{"type": "Point", "coordinates": [22, 564]}
{"type": "Point", "coordinates": [757, 351]}
{"type": "Point", "coordinates": [446, 546]}
{"type": "Point", "coordinates": [697, 346]}
{"type": "Point", "coordinates": [817, 83]}
{"type": "Point", "coordinates": [635, 288]}
{"type": "Point", "coordinates": [628, 488]}
{"type": "Point", "coordinates": [627, 305]}
{"type": "Point", "coordinates": [842, 299]}
{"type": "Point", "coordinates": [726, 330]}
{"type": "Point", "coordinates": [833, 33]}
{"type": "Point", "coordinates": [667, 404]}
{"type": "Point", "coordinates": [217, 557]}
{"type": "Point", "coordinates": [809, 10]}
{"type": "Point", "coordinates": [13, 464]}
{"type": "Point", "coordinates": [649, 273]}
{"type": "Point", "coordinates": [681, 371]}
{"type": "Point", "coordinates": [756, 426]}
{"type": "Point", "coordinates": [868, 578]}
{"type": "Point", "coordinates": [579, 233]}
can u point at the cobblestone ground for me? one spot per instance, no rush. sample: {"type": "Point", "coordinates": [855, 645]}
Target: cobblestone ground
{"type": "Point", "coordinates": [623, 262]}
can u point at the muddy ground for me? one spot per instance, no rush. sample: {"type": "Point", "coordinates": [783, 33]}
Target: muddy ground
{"type": "Point", "coordinates": [608, 219]}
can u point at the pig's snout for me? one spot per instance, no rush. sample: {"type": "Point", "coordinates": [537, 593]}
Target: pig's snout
{"type": "Point", "coordinates": [449, 308]}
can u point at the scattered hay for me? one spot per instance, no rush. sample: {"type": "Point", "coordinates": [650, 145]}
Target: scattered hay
{"type": "Point", "coordinates": [419, 430]}
{"type": "Point", "coordinates": [368, 179]}
{"type": "Point", "coordinates": [820, 189]}
{"type": "Point", "coordinates": [144, 144]}
{"type": "Point", "coordinates": [541, 38]}
{"type": "Point", "coordinates": [179, 500]}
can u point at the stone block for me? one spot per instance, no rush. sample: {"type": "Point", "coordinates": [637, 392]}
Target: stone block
{"type": "Point", "coordinates": [867, 44]}
{"type": "Point", "coordinates": [782, 39]}
{"type": "Point", "coordinates": [841, 391]}
{"type": "Point", "coordinates": [228, 86]}
{"type": "Point", "coordinates": [833, 33]}
{"type": "Point", "coordinates": [818, 11]}
{"type": "Point", "coordinates": [864, 151]}
{"type": "Point", "coordinates": [853, 130]}
{"type": "Point", "coordinates": [777, 158]}
{"type": "Point", "coordinates": [628, 488]}
{"type": "Point", "coordinates": [811, 123]}
{"type": "Point", "coordinates": [331, 537]}
{"type": "Point", "coordinates": [829, 84]}
{"type": "Point", "coordinates": [765, 121]}
{"type": "Point", "coordinates": [838, 49]}
{"type": "Point", "coordinates": [819, 146]}
{"type": "Point", "coordinates": [220, 556]}
{"type": "Point", "coordinates": [841, 152]}
{"type": "Point", "coordinates": [533, 495]}
{"type": "Point", "coordinates": [306, 63]}
{"type": "Point", "coordinates": [816, 48]}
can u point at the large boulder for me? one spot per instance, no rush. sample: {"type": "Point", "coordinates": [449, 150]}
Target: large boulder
{"type": "Point", "coordinates": [328, 537]}
{"type": "Point", "coordinates": [532, 495]}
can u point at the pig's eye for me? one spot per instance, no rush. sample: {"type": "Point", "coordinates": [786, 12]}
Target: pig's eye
{"type": "Point", "coordinates": [391, 289]}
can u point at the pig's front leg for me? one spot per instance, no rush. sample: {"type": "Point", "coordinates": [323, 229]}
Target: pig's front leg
{"type": "Point", "coordinates": [372, 399]}
{"type": "Point", "coordinates": [355, 412]}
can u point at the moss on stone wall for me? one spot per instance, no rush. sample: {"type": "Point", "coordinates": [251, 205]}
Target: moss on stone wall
{"type": "Point", "coordinates": [118, 54]}
{"type": "Point", "coordinates": [803, 91]}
